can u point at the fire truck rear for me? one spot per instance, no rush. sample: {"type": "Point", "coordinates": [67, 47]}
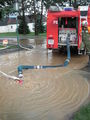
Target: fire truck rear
{"type": "Point", "coordinates": [61, 21]}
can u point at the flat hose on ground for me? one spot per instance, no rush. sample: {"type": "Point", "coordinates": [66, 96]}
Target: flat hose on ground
{"type": "Point", "coordinates": [21, 67]}
{"type": "Point", "coordinates": [4, 48]}
{"type": "Point", "coordinates": [9, 76]}
{"type": "Point", "coordinates": [13, 45]}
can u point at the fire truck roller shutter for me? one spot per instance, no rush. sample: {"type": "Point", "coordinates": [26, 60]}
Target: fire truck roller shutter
{"type": "Point", "coordinates": [68, 25]}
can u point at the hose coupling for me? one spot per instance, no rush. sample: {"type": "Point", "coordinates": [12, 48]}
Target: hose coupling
{"type": "Point", "coordinates": [38, 67]}
{"type": "Point", "coordinates": [20, 75]}
{"type": "Point", "coordinates": [68, 60]}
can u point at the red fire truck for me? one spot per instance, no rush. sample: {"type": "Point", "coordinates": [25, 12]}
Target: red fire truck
{"type": "Point", "coordinates": [60, 22]}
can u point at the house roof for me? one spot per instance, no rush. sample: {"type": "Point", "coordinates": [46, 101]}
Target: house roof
{"type": "Point", "coordinates": [11, 21]}
{"type": "Point", "coordinates": [8, 21]}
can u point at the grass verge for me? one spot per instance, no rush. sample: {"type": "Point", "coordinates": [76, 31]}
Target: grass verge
{"type": "Point", "coordinates": [1, 46]}
{"type": "Point", "coordinates": [83, 114]}
{"type": "Point", "coordinates": [13, 34]}
{"type": "Point", "coordinates": [9, 47]}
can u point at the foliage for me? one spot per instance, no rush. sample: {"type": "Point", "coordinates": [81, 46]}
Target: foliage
{"type": "Point", "coordinates": [23, 28]}
{"type": "Point", "coordinates": [48, 3]}
{"type": "Point", "coordinates": [6, 2]}
{"type": "Point", "coordinates": [83, 114]}
{"type": "Point", "coordinates": [40, 25]}
{"type": "Point", "coordinates": [5, 7]}
{"type": "Point", "coordinates": [1, 46]}
{"type": "Point", "coordinates": [42, 29]}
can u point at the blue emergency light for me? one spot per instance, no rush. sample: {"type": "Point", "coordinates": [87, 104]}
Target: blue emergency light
{"type": "Point", "coordinates": [68, 8]}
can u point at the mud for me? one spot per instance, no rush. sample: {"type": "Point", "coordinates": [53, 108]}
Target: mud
{"type": "Point", "coordinates": [50, 94]}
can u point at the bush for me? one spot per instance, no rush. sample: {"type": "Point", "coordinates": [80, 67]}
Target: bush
{"type": "Point", "coordinates": [23, 28]}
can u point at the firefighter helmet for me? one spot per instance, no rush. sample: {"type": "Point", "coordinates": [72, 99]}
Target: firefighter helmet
{"type": "Point", "coordinates": [84, 23]}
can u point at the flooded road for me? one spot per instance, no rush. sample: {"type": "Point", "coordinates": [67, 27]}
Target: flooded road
{"type": "Point", "coordinates": [49, 94]}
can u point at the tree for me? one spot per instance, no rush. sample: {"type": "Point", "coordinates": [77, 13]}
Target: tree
{"type": "Point", "coordinates": [23, 28]}
{"type": "Point", "coordinates": [41, 17]}
{"type": "Point", "coordinates": [33, 9]}
{"type": "Point", "coordinates": [36, 6]}
{"type": "Point", "coordinates": [35, 17]}
{"type": "Point", "coordinates": [5, 7]}
{"type": "Point", "coordinates": [4, 3]}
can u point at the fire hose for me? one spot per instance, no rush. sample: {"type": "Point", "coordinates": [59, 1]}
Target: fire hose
{"type": "Point", "coordinates": [20, 81]}
{"type": "Point", "coordinates": [6, 47]}
{"type": "Point", "coordinates": [21, 67]}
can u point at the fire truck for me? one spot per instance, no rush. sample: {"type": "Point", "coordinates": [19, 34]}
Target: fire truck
{"type": "Point", "coordinates": [64, 20]}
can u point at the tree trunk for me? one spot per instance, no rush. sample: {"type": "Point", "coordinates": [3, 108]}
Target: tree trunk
{"type": "Point", "coordinates": [35, 18]}
{"type": "Point", "coordinates": [41, 15]}
{"type": "Point", "coordinates": [70, 2]}
{"type": "Point", "coordinates": [23, 16]}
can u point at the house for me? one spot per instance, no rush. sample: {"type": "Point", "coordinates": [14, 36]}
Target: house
{"type": "Point", "coordinates": [9, 25]}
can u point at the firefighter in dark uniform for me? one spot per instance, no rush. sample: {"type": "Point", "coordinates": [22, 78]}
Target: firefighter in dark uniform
{"type": "Point", "coordinates": [86, 38]}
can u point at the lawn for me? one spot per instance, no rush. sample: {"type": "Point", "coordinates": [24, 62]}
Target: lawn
{"type": "Point", "coordinates": [1, 46]}
{"type": "Point", "coordinates": [13, 34]}
{"type": "Point", "coordinates": [7, 34]}
{"type": "Point", "coordinates": [83, 114]}
{"type": "Point", "coordinates": [8, 47]}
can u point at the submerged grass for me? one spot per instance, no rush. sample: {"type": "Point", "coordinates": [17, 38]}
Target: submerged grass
{"type": "Point", "coordinates": [13, 47]}
{"type": "Point", "coordinates": [83, 114]}
{"type": "Point", "coordinates": [9, 47]}
{"type": "Point", "coordinates": [7, 34]}
{"type": "Point", "coordinates": [1, 46]}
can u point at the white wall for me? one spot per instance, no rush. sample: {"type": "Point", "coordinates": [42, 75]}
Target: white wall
{"type": "Point", "coordinates": [31, 27]}
{"type": "Point", "coordinates": [8, 28]}
{"type": "Point", "coordinates": [3, 29]}
{"type": "Point", "coordinates": [12, 28]}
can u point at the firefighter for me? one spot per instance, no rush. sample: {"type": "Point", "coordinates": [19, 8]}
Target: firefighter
{"type": "Point", "coordinates": [86, 39]}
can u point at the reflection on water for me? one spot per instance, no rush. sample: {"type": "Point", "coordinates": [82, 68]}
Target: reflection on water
{"type": "Point", "coordinates": [34, 42]}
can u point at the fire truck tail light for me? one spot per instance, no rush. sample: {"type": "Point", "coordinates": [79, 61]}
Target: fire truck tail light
{"type": "Point", "coordinates": [51, 41]}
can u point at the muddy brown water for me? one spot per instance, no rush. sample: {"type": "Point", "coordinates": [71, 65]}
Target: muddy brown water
{"type": "Point", "coordinates": [49, 94]}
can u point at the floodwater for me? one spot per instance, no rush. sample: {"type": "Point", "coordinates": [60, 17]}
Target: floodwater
{"type": "Point", "coordinates": [49, 94]}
